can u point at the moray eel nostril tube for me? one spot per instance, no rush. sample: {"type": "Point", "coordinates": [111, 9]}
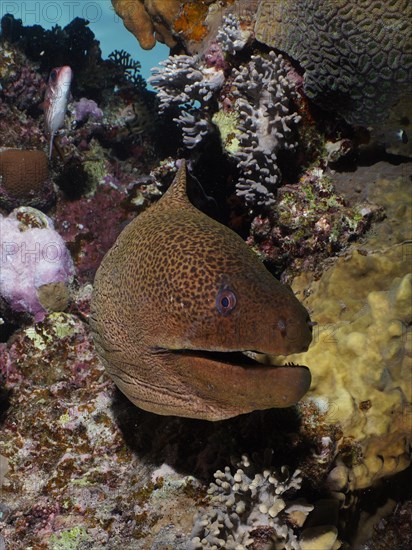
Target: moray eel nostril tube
{"type": "Point", "coordinates": [178, 300]}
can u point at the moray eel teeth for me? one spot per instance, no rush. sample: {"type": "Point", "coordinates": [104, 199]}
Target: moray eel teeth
{"type": "Point", "coordinates": [179, 300]}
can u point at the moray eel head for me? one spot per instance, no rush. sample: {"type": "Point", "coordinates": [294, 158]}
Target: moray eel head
{"type": "Point", "coordinates": [179, 304]}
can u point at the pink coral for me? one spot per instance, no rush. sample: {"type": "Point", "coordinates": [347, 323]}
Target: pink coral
{"type": "Point", "coordinates": [32, 255]}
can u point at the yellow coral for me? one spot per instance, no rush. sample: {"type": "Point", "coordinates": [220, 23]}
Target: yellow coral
{"type": "Point", "coordinates": [362, 346]}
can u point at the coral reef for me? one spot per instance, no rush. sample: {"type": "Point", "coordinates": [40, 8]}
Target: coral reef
{"type": "Point", "coordinates": [361, 354]}
{"type": "Point", "coordinates": [90, 226]}
{"type": "Point", "coordinates": [25, 90]}
{"type": "Point", "coordinates": [148, 20]}
{"type": "Point", "coordinates": [184, 81]}
{"type": "Point", "coordinates": [355, 56]}
{"type": "Point", "coordinates": [309, 223]}
{"type": "Point", "coordinates": [24, 179]}
{"type": "Point", "coordinates": [34, 256]}
{"type": "Point", "coordinates": [131, 68]}
{"type": "Point", "coordinates": [394, 531]}
{"type": "Point", "coordinates": [257, 123]}
{"type": "Point", "coordinates": [231, 36]}
{"type": "Point", "coordinates": [183, 22]}
{"type": "Point", "coordinates": [266, 122]}
{"type": "Point", "coordinates": [86, 108]}
{"type": "Point", "coordinates": [81, 482]}
{"type": "Point", "coordinates": [99, 472]}
{"type": "Point", "coordinates": [249, 507]}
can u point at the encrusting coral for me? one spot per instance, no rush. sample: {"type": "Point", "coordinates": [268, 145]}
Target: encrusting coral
{"type": "Point", "coordinates": [361, 356]}
{"type": "Point", "coordinates": [148, 19]}
{"type": "Point", "coordinates": [355, 55]}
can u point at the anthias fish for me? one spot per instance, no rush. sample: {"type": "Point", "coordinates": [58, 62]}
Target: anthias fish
{"type": "Point", "coordinates": [179, 303]}
{"type": "Point", "coordinates": [55, 100]}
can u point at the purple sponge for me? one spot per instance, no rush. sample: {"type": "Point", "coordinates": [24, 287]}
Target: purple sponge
{"type": "Point", "coordinates": [32, 255]}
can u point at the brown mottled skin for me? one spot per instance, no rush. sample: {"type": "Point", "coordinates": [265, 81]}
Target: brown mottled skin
{"type": "Point", "coordinates": [158, 317]}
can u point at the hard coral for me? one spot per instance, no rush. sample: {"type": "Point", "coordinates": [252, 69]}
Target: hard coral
{"type": "Point", "coordinates": [361, 354]}
{"type": "Point", "coordinates": [87, 108]}
{"type": "Point", "coordinates": [91, 225]}
{"type": "Point", "coordinates": [309, 223]}
{"type": "Point", "coordinates": [26, 90]}
{"type": "Point", "coordinates": [33, 255]}
{"type": "Point", "coordinates": [252, 506]}
{"type": "Point", "coordinates": [24, 179]}
{"type": "Point", "coordinates": [81, 481]}
{"type": "Point", "coordinates": [355, 55]}
{"type": "Point", "coordinates": [183, 80]}
{"type": "Point", "coordinates": [263, 95]}
{"type": "Point", "coordinates": [148, 19]}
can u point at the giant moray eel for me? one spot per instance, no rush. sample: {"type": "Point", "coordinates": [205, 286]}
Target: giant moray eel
{"type": "Point", "coordinates": [177, 299]}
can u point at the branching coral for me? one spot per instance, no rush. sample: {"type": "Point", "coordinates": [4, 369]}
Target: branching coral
{"type": "Point", "coordinates": [231, 36]}
{"type": "Point", "coordinates": [241, 502]}
{"type": "Point", "coordinates": [262, 112]}
{"type": "Point", "coordinates": [130, 67]}
{"type": "Point", "coordinates": [184, 81]}
{"type": "Point", "coordinates": [267, 120]}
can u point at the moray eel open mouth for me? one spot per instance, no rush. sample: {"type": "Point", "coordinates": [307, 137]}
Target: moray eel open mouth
{"type": "Point", "coordinates": [231, 375]}
{"type": "Point", "coordinates": [244, 359]}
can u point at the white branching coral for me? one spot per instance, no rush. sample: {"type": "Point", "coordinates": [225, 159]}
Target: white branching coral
{"type": "Point", "coordinates": [244, 501]}
{"type": "Point", "coordinates": [231, 36]}
{"type": "Point", "coordinates": [267, 121]}
{"type": "Point", "coordinates": [263, 107]}
{"type": "Point", "coordinates": [183, 81]}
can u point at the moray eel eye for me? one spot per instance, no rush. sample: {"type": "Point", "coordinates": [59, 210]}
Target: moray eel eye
{"type": "Point", "coordinates": [53, 75]}
{"type": "Point", "coordinates": [225, 301]}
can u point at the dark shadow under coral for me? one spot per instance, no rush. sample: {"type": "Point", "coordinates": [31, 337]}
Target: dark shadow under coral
{"type": "Point", "coordinates": [199, 448]}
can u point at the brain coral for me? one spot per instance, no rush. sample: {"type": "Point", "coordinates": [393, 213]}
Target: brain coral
{"type": "Point", "coordinates": [356, 55]}
{"type": "Point", "coordinates": [24, 178]}
{"type": "Point", "coordinates": [361, 357]}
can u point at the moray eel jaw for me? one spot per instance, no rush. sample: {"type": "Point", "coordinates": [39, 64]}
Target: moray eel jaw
{"type": "Point", "coordinates": [231, 383]}
{"type": "Point", "coordinates": [208, 385]}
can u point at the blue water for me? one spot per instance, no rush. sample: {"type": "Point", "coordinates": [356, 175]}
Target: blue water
{"type": "Point", "coordinates": [106, 25]}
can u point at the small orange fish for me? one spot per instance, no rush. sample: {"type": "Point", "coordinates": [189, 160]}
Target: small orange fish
{"type": "Point", "coordinates": [55, 100]}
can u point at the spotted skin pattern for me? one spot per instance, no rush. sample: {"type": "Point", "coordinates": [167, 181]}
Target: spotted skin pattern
{"type": "Point", "coordinates": [176, 293]}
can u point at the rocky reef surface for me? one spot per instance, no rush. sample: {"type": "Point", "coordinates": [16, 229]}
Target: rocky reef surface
{"type": "Point", "coordinates": [324, 204]}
